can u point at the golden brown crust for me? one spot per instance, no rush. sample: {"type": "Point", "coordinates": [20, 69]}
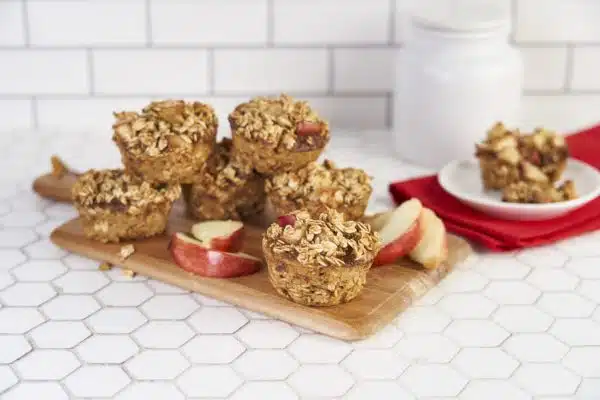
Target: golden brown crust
{"type": "Point", "coordinates": [317, 187]}
{"type": "Point", "coordinates": [532, 192]}
{"type": "Point", "coordinates": [114, 226]}
{"type": "Point", "coordinates": [114, 188]}
{"type": "Point", "coordinates": [169, 141]}
{"type": "Point", "coordinates": [267, 161]}
{"type": "Point", "coordinates": [225, 188]}
{"type": "Point", "coordinates": [115, 205]}
{"type": "Point", "coordinates": [275, 135]}
{"type": "Point", "coordinates": [314, 285]}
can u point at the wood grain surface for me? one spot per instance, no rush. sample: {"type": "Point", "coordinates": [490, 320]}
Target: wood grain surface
{"type": "Point", "coordinates": [389, 289]}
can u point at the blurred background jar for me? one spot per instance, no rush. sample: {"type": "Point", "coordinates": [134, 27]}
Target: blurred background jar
{"type": "Point", "coordinates": [455, 77]}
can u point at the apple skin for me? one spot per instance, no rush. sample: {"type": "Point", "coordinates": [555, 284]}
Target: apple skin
{"type": "Point", "coordinates": [307, 128]}
{"type": "Point", "coordinates": [432, 249]}
{"type": "Point", "coordinates": [401, 246]}
{"type": "Point", "coordinates": [285, 220]}
{"type": "Point", "coordinates": [400, 231]}
{"type": "Point", "coordinates": [193, 257]}
{"type": "Point", "coordinates": [232, 242]}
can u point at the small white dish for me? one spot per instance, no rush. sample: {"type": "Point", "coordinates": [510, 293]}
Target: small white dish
{"type": "Point", "coordinates": [462, 180]}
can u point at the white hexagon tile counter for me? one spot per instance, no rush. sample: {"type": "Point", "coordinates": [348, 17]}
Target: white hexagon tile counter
{"type": "Point", "coordinates": [520, 325]}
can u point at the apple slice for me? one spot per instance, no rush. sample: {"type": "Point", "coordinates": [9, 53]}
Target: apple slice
{"type": "Point", "coordinates": [192, 256]}
{"type": "Point", "coordinates": [306, 128]}
{"type": "Point", "coordinates": [399, 230]}
{"type": "Point", "coordinates": [432, 249]}
{"type": "Point", "coordinates": [220, 235]}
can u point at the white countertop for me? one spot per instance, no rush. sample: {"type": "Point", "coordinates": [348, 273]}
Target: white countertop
{"type": "Point", "coordinates": [512, 326]}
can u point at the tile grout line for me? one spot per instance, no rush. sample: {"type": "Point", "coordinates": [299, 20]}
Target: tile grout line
{"type": "Point", "coordinates": [330, 71]}
{"type": "Point", "coordinates": [90, 71]}
{"type": "Point", "coordinates": [569, 68]}
{"type": "Point", "coordinates": [210, 71]}
{"type": "Point", "coordinates": [25, 22]}
{"type": "Point", "coordinates": [392, 11]}
{"type": "Point", "coordinates": [389, 111]}
{"type": "Point", "coordinates": [514, 17]}
{"type": "Point", "coordinates": [148, 10]}
{"type": "Point", "coordinates": [34, 113]}
{"type": "Point", "coordinates": [270, 23]}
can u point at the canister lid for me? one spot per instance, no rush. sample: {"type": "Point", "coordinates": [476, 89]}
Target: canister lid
{"type": "Point", "coordinates": [461, 15]}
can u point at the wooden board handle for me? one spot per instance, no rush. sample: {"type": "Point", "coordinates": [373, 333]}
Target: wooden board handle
{"type": "Point", "coordinates": [54, 188]}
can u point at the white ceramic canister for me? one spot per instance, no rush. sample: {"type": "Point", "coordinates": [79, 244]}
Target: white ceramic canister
{"type": "Point", "coordinates": [456, 76]}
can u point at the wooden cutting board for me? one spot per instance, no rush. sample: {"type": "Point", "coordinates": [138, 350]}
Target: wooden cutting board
{"type": "Point", "coordinates": [389, 289]}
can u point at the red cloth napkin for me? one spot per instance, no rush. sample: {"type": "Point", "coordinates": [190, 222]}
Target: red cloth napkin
{"type": "Point", "coordinates": [503, 235]}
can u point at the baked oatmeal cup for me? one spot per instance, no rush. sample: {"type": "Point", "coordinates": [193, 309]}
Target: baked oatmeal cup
{"type": "Point", "coordinates": [319, 261]}
{"type": "Point", "coordinates": [225, 188]}
{"type": "Point", "coordinates": [317, 187]}
{"type": "Point", "coordinates": [169, 141]}
{"type": "Point", "coordinates": [507, 157]}
{"type": "Point", "coordinates": [114, 205]}
{"type": "Point", "coordinates": [275, 135]}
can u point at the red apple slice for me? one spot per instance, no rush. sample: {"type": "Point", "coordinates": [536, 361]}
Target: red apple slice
{"type": "Point", "coordinates": [307, 128]}
{"type": "Point", "coordinates": [400, 231]}
{"type": "Point", "coordinates": [193, 257]}
{"type": "Point", "coordinates": [432, 249]}
{"type": "Point", "coordinates": [220, 235]}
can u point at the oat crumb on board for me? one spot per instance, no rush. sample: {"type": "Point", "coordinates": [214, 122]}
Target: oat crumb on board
{"type": "Point", "coordinates": [128, 272]}
{"type": "Point", "coordinates": [105, 266]}
{"type": "Point", "coordinates": [126, 251]}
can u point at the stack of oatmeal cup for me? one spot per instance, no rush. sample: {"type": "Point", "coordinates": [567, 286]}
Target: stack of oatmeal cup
{"type": "Point", "coordinates": [270, 159]}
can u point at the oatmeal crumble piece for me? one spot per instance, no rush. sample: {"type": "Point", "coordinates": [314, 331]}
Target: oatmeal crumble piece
{"type": "Point", "coordinates": [535, 192]}
{"type": "Point", "coordinates": [275, 122]}
{"type": "Point", "coordinates": [59, 168]}
{"type": "Point", "coordinates": [118, 190]}
{"type": "Point", "coordinates": [323, 183]}
{"type": "Point", "coordinates": [328, 240]}
{"type": "Point", "coordinates": [105, 266]}
{"type": "Point", "coordinates": [126, 251]}
{"type": "Point", "coordinates": [127, 272]}
{"type": "Point", "coordinates": [165, 126]}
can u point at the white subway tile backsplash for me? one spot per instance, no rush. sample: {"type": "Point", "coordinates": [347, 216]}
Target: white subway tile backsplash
{"type": "Point", "coordinates": [558, 21]}
{"type": "Point", "coordinates": [17, 114]}
{"type": "Point", "coordinates": [352, 112]}
{"type": "Point", "coordinates": [91, 112]}
{"type": "Point", "coordinates": [586, 64]}
{"type": "Point", "coordinates": [564, 113]}
{"type": "Point", "coordinates": [87, 23]}
{"type": "Point", "coordinates": [12, 32]}
{"type": "Point", "coordinates": [43, 72]}
{"type": "Point", "coordinates": [123, 53]}
{"type": "Point", "coordinates": [364, 69]}
{"type": "Point", "coordinates": [545, 67]}
{"type": "Point", "coordinates": [150, 71]}
{"type": "Point", "coordinates": [271, 70]}
{"type": "Point", "coordinates": [209, 22]}
{"type": "Point", "coordinates": [332, 21]}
